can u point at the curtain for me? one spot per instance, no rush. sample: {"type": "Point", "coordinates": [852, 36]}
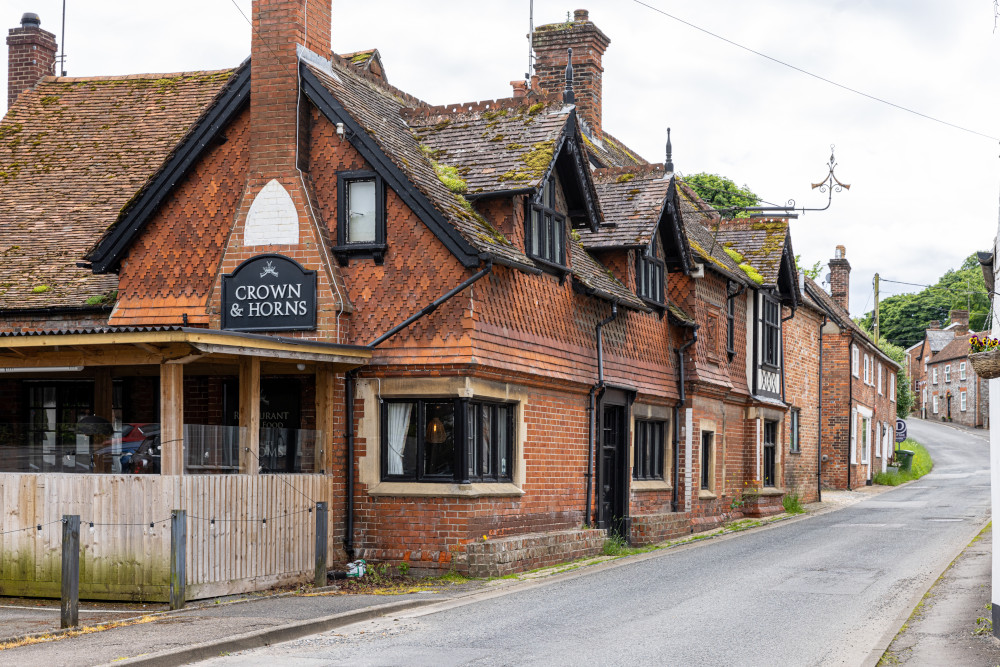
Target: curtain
{"type": "Point", "coordinates": [399, 424]}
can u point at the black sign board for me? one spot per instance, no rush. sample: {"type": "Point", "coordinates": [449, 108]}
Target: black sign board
{"type": "Point", "coordinates": [269, 293]}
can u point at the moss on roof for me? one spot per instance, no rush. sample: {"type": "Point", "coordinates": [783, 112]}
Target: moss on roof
{"type": "Point", "coordinates": [536, 162]}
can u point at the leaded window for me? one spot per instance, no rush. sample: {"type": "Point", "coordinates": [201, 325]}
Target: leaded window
{"type": "Point", "coordinates": [772, 332]}
{"type": "Point", "coordinates": [649, 450]}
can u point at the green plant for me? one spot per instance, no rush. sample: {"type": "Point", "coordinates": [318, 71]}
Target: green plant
{"type": "Point", "coordinates": [404, 569]}
{"type": "Point", "coordinates": [984, 624]}
{"type": "Point", "coordinates": [722, 193]}
{"type": "Point", "coordinates": [40, 289]}
{"type": "Point", "coordinates": [615, 545]}
{"type": "Point", "coordinates": [749, 495]}
{"type": "Point", "coordinates": [922, 464]}
{"type": "Point", "coordinates": [983, 344]}
{"type": "Point", "coordinates": [792, 503]}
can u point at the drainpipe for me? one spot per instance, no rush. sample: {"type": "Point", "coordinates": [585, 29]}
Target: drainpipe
{"type": "Point", "coordinates": [681, 398]}
{"type": "Point", "coordinates": [850, 404]}
{"type": "Point", "coordinates": [819, 420]}
{"type": "Point", "coordinates": [349, 378]}
{"type": "Point", "coordinates": [349, 419]}
{"type": "Point", "coordinates": [592, 408]}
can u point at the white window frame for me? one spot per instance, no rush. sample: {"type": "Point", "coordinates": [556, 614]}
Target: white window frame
{"type": "Point", "coordinates": [854, 361]}
{"type": "Point", "coordinates": [866, 441]}
{"type": "Point", "coordinates": [935, 376]}
{"type": "Point", "coordinates": [868, 372]}
{"type": "Point", "coordinates": [963, 401]}
{"type": "Point", "coordinates": [947, 373]}
{"type": "Point", "coordinates": [878, 440]}
{"type": "Point", "coordinates": [961, 371]}
{"type": "Point", "coordinates": [892, 387]}
{"type": "Point", "coordinates": [854, 436]}
{"type": "Point", "coordinates": [880, 379]}
{"type": "Point", "coordinates": [934, 403]}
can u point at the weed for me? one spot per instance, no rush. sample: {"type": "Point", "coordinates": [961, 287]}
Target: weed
{"type": "Point", "coordinates": [404, 569]}
{"type": "Point", "coordinates": [614, 546]}
{"type": "Point", "coordinates": [984, 624]}
{"type": "Point", "coordinates": [792, 503]}
{"type": "Point", "coordinates": [922, 464]}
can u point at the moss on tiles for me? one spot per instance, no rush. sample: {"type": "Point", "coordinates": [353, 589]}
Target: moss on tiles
{"type": "Point", "coordinates": [40, 289]}
{"type": "Point", "coordinates": [514, 147]}
{"type": "Point", "coordinates": [49, 100]}
{"type": "Point", "coordinates": [536, 109]}
{"type": "Point", "coordinates": [625, 178]}
{"type": "Point", "coordinates": [734, 255]}
{"type": "Point", "coordinates": [536, 163]}
{"type": "Point", "coordinates": [752, 273]}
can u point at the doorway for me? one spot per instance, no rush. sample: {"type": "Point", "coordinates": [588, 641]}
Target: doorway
{"type": "Point", "coordinates": [613, 472]}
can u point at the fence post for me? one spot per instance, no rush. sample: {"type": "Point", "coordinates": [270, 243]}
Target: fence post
{"type": "Point", "coordinates": [70, 602]}
{"type": "Point", "coordinates": [321, 543]}
{"type": "Point", "coordinates": [178, 544]}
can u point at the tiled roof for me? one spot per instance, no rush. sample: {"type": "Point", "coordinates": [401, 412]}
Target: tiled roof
{"type": "Point", "coordinates": [958, 348]}
{"type": "Point", "coordinates": [366, 61]}
{"type": "Point", "coordinates": [507, 146]}
{"type": "Point", "coordinates": [73, 152]}
{"type": "Point", "coordinates": [703, 240]}
{"type": "Point", "coordinates": [612, 153]}
{"type": "Point", "coordinates": [760, 242]}
{"type": "Point", "coordinates": [841, 316]}
{"type": "Point", "coordinates": [938, 339]}
{"type": "Point", "coordinates": [632, 199]}
{"type": "Point", "coordinates": [595, 276]}
{"type": "Point", "coordinates": [379, 111]}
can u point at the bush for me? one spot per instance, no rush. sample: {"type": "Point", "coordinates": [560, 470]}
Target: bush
{"type": "Point", "coordinates": [792, 503]}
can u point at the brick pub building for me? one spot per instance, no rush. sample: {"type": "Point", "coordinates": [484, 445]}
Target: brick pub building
{"type": "Point", "coordinates": [485, 334]}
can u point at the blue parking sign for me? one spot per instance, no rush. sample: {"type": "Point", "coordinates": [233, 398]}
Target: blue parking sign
{"type": "Point", "coordinates": [900, 430]}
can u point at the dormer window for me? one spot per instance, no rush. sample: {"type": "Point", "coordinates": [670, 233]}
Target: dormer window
{"type": "Point", "coordinates": [545, 231]}
{"type": "Point", "coordinates": [360, 215]}
{"type": "Point", "coordinates": [649, 275]}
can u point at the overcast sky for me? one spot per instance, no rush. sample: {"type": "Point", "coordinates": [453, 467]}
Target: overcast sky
{"type": "Point", "coordinates": [923, 195]}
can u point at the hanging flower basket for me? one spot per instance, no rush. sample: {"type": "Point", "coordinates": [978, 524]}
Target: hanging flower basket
{"type": "Point", "coordinates": [986, 364]}
{"type": "Point", "coordinates": [985, 356]}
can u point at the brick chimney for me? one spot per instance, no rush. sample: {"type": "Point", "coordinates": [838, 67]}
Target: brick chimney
{"type": "Point", "coordinates": [960, 318]}
{"type": "Point", "coordinates": [31, 55]}
{"type": "Point", "coordinates": [935, 325]}
{"type": "Point", "coordinates": [278, 26]}
{"type": "Point", "coordinates": [551, 43]}
{"type": "Point", "coordinates": [840, 277]}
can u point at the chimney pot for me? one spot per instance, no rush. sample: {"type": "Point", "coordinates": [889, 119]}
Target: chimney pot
{"type": "Point", "coordinates": [520, 88]}
{"type": "Point", "coordinates": [961, 318]}
{"type": "Point", "coordinates": [935, 325]}
{"type": "Point", "coordinates": [31, 20]}
{"type": "Point", "coordinates": [581, 15]}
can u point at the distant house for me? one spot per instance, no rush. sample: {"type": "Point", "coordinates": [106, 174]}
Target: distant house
{"type": "Point", "coordinates": [858, 388]}
{"type": "Point", "coordinates": [955, 392]}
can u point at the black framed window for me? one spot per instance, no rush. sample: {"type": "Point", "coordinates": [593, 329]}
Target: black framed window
{"type": "Point", "coordinates": [360, 214]}
{"type": "Point", "coordinates": [707, 442]}
{"type": "Point", "coordinates": [649, 276]}
{"type": "Point", "coordinates": [731, 327]}
{"type": "Point", "coordinates": [649, 450]}
{"type": "Point", "coordinates": [545, 228]}
{"type": "Point", "coordinates": [772, 331]}
{"type": "Point", "coordinates": [422, 440]}
{"type": "Point", "coordinates": [793, 432]}
{"type": "Point", "coordinates": [770, 449]}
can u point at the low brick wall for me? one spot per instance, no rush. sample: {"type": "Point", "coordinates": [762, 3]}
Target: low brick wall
{"type": "Point", "coordinates": [765, 506]}
{"type": "Point", "coordinates": [506, 555]}
{"type": "Point", "coordinates": [656, 528]}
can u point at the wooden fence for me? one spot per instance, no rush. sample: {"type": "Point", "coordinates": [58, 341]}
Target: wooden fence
{"type": "Point", "coordinates": [263, 532]}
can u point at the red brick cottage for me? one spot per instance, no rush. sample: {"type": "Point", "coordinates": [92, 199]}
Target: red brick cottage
{"type": "Point", "coordinates": [858, 389]}
{"type": "Point", "coordinates": [468, 329]}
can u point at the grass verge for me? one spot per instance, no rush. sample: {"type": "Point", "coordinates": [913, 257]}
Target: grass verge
{"type": "Point", "coordinates": [922, 464]}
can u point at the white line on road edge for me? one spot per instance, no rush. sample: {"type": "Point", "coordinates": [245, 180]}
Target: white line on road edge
{"type": "Point", "coordinates": [82, 611]}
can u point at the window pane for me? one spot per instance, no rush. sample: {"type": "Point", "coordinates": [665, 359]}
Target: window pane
{"type": "Point", "coordinates": [706, 460]}
{"type": "Point", "coordinates": [536, 232]}
{"type": "Point", "coordinates": [503, 440]}
{"type": "Point", "coordinates": [472, 438]}
{"type": "Point", "coordinates": [546, 247]}
{"type": "Point", "coordinates": [361, 212]}
{"type": "Point", "coordinates": [401, 439]}
{"type": "Point", "coordinates": [486, 457]}
{"type": "Point", "coordinates": [439, 440]}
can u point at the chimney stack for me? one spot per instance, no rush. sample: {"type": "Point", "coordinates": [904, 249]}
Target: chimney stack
{"type": "Point", "coordinates": [961, 318]}
{"type": "Point", "coordinates": [840, 277]}
{"type": "Point", "coordinates": [935, 325]}
{"type": "Point", "coordinates": [278, 27]}
{"type": "Point", "coordinates": [31, 55]}
{"type": "Point", "coordinates": [551, 43]}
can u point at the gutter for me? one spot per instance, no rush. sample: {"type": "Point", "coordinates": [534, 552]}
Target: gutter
{"type": "Point", "coordinates": [592, 407]}
{"type": "Point", "coordinates": [677, 416]}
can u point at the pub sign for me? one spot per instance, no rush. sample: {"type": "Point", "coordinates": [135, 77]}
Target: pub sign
{"type": "Point", "coordinates": [269, 293]}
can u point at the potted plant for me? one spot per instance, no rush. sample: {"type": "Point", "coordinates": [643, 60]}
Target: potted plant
{"type": "Point", "coordinates": [984, 353]}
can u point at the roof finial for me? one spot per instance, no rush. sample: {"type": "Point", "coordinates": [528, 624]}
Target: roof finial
{"type": "Point", "coordinates": [668, 165]}
{"type": "Point", "coordinates": [568, 96]}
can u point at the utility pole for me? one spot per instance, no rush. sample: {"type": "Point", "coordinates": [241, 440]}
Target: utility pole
{"type": "Point", "coordinates": [876, 308]}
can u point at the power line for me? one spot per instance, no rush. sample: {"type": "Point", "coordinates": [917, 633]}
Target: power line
{"type": "Point", "coordinates": [815, 76]}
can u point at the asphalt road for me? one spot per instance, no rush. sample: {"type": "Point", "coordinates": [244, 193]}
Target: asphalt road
{"type": "Point", "coordinates": [825, 590]}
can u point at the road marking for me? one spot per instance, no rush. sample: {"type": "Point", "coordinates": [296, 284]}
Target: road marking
{"type": "Point", "coordinates": [869, 525]}
{"type": "Point", "coordinates": [944, 519]}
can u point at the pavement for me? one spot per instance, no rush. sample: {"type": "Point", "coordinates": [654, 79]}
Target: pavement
{"type": "Point", "coordinates": [948, 626]}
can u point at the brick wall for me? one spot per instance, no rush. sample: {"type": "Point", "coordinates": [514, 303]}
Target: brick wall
{"type": "Point", "coordinates": [801, 348]}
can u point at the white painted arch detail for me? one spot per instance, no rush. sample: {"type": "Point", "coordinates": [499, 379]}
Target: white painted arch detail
{"type": "Point", "coordinates": [272, 219]}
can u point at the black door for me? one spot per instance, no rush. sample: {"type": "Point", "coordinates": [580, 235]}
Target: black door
{"type": "Point", "coordinates": [613, 461]}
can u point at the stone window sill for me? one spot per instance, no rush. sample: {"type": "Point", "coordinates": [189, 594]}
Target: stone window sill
{"type": "Point", "coordinates": [706, 495]}
{"type": "Point", "coordinates": [651, 485]}
{"type": "Point", "coordinates": [771, 491]}
{"type": "Point", "coordinates": [445, 490]}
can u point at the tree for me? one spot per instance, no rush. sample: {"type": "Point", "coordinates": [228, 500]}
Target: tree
{"type": "Point", "coordinates": [722, 193]}
{"type": "Point", "coordinates": [811, 274]}
{"type": "Point", "coordinates": [904, 317]}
